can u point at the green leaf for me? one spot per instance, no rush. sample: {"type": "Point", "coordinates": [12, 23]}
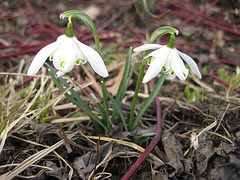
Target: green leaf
{"type": "Point", "coordinates": [193, 96]}
{"type": "Point", "coordinates": [162, 31]}
{"type": "Point", "coordinates": [143, 135]}
{"type": "Point", "coordinates": [118, 108]}
{"type": "Point", "coordinates": [188, 94]}
{"type": "Point", "coordinates": [100, 107]}
{"type": "Point", "coordinates": [77, 100]}
{"type": "Point", "coordinates": [235, 83]}
{"type": "Point", "coordinates": [204, 69]}
{"type": "Point", "coordinates": [45, 111]}
{"type": "Point", "coordinates": [123, 84]}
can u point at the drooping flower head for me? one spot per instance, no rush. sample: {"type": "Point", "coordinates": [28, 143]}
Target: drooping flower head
{"type": "Point", "coordinates": [66, 52]}
{"type": "Point", "coordinates": [167, 60]}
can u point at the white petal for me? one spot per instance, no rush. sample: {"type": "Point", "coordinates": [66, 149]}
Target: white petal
{"type": "Point", "coordinates": [57, 60]}
{"type": "Point", "coordinates": [167, 63]}
{"type": "Point", "coordinates": [171, 76]}
{"type": "Point", "coordinates": [94, 59]}
{"type": "Point", "coordinates": [156, 65]}
{"type": "Point", "coordinates": [65, 53]}
{"type": "Point", "coordinates": [155, 53]}
{"type": "Point", "coordinates": [41, 57]}
{"type": "Point", "coordinates": [146, 47]}
{"type": "Point", "coordinates": [60, 73]}
{"type": "Point", "coordinates": [79, 53]}
{"type": "Point", "coordinates": [177, 66]}
{"type": "Point", "coordinates": [192, 64]}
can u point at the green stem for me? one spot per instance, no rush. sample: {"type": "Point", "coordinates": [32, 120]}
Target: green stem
{"type": "Point", "coordinates": [156, 34]}
{"type": "Point", "coordinates": [148, 101]}
{"type": "Point", "coordinates": [102, 80]}
{"type": "Point", "coordinates": [105, 101]}
{"type": "Point", "coordinates": [139, 81]}
{"type": "Point", "coordinates": [171, 42]}
{"type": "Point", "coordinates": [69, 31]}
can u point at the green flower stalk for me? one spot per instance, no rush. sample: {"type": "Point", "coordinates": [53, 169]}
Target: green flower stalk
{"type": "Point", "coordinates": [166, 59]}
{"type": "Point", "coordinates": [68, 51]}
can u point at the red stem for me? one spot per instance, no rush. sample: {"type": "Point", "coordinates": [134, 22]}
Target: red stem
{"type": "Point", "coordinates": [151, 146]}
{"type": "Point", "coordinates": [223, 28]}
{"type": "Point", "coordinates": [225, 61]}
{"type": "Point", "coordinates": [40, 19]}
{"type": "Point", "coordinates": [221, 81]}
{"type": "Point", "coordinates": [199, 13]}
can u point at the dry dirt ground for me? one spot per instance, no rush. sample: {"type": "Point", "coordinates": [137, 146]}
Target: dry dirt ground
{"type": "Point", "coordinates": [201, 133]}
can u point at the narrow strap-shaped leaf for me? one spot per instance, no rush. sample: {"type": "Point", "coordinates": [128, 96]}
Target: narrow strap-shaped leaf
{"type": "Point", "coordinates": [100, 107]}
{"type": "Point", "coordinates": [123, 83]}
{"type": "Point", "coordinates": [77, 101]}
{"type": "Point", "coordinates": [118, 109]}
{"type": "Point", "coordinates": [129, 78]}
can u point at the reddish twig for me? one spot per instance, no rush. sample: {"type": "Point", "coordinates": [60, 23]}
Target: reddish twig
{"type": "Point", "coordinates": [26, 50]}
{"type": "Point", "coordinates": [40, 19]}
{"type": "Point", "coordinates": [214, 22]}
{"type": "Point", "coordinates": [223, 28]}
{"type": "Point", "coordinates": [153, 143]}
{"type": "Point", "coordinates": [221, 81]}
{"type": "Point", "coordinates": [225, 61]}
{"type": "Point", "coordinates": [199, 13]}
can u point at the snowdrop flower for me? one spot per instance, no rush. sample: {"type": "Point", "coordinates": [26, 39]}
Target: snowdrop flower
{"type": "Point", "coordinates": [167, 60]}
{"type": "Point", "coordinates": [65, 53]}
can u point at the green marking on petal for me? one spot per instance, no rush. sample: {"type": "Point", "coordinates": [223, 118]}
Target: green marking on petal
{"type": "Point", "coordinates": [80, 61]}
{"type": "Point", "coordinates": [164, 68]}
{"type": "Point", "coordinates": [172, 73]}
{"type": "Point", "coordinates": [150, 60]}
{"type": "Point", "coordinates": [51, 58]}
{"type": "Point", "coordinates": [184, 74]}
{"type": "Point", "coordinates": [62, 64]}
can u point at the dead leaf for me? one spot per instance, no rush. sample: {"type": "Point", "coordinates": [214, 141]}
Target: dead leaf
{"type": "Point", "coordinates": [174, 152]}
{"type": "Point", "coordinates": [204, 152]}
{"type": "Point", "coordinates": [115, 82]}
{"type": "Point", "coordinates": [224, 172]}
{"type": "Point", "coordinates": [86, 163]}
{"type": "Point", "coordinates": [58, 172]}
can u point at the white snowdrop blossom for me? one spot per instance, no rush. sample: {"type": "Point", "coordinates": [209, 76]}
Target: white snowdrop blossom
{"type": "Point", "coordinates": [167, 60]}
{"type": "Point", "coordinates": [65, 53]}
